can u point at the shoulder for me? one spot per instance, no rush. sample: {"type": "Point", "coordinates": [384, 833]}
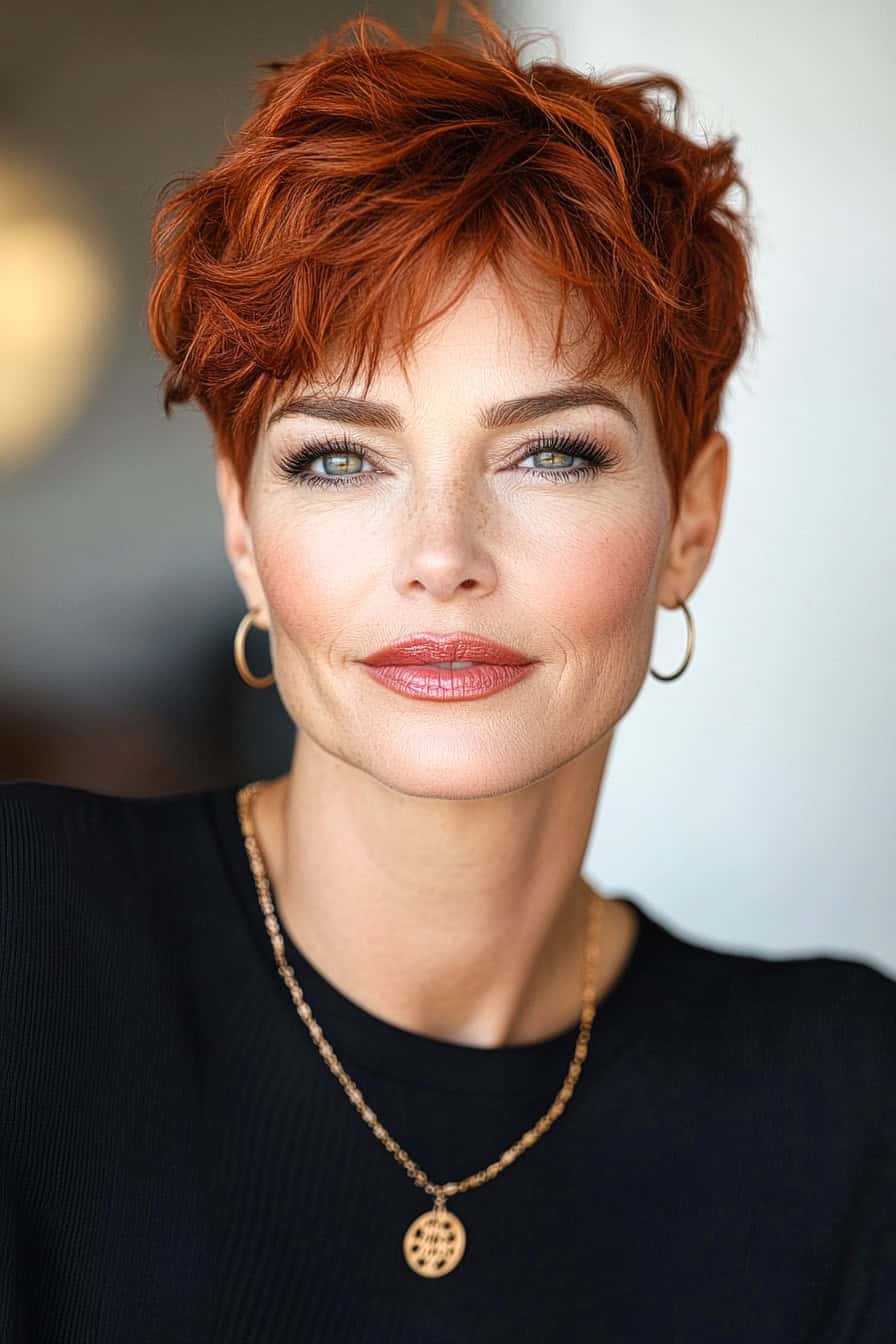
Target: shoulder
{"type": "Point", "coordinates": [835, 1017]}
{"type": "Point", "coordinates": [837, 1003]}
{"type": "Point", "coordinates": [103, 955]}
{"type": "Point", "coordinates": [797, 991]}
{"type": "Point", "coordinates": [36, 817]}
{"type": "Point", "coordinates": [818, 1035]}
{"type": "Point", "coordinates": [45, 831]}
{"type": "Point", "coordinates": [47, 828]}
{"type": "Point", "coordinates": [828, 991]}
{"type": "Point", "coordinates": [816, 1028]}
{"type": "Point", "coordinates": [808, 1039]}
{"type": "Point", "coordinates": [81, 870]}
{"type": "Point", "coordinates": [100, 903]}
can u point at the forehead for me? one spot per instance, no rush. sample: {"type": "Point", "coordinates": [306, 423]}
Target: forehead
{"type": "Point", "coordinates": [496, 342]}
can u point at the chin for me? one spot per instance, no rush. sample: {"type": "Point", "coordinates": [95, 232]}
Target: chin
{"type": "Point", "coordinates": [465, 773]}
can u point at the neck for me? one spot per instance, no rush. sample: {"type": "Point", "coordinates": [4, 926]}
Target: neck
{"type": "Point", "coordinates": [462, 920]}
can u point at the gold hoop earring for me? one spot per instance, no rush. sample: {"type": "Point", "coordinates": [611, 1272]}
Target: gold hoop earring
{"type": "Point", "coordinates": [239, 651]}
{"type": "Point", "coordinates": [660, 676]}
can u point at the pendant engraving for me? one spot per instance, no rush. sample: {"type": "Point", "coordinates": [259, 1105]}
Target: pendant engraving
{"type": "Point", "coordinates": [434, 1243]}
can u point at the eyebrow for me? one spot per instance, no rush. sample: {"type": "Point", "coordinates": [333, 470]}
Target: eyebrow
{"type": "Point", "coordinates": [518, 410]}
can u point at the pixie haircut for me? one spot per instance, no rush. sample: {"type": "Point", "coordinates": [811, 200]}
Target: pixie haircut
{"type": "Point", "coordinates": [372, 165]}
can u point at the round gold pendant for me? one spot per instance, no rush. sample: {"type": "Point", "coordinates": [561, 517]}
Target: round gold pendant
{"type": "Point", "coordinates": [434, 1243]}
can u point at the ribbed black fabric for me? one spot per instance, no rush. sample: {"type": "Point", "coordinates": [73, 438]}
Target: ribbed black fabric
{"type": "Point", "coordinates": [177, 1163]}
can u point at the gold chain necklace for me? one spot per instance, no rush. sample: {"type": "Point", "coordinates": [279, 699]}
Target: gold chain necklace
{"type": "Point", "coordinates": [435, 1241]}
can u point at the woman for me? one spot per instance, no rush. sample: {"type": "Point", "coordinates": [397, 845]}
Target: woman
{"type": "Point", "coordinates": [357, 1053]}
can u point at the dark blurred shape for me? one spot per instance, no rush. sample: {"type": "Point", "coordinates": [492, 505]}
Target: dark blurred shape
{"type": "Point", "coordinates": [208, 729]}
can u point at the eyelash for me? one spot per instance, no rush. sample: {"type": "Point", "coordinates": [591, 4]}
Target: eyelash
{"type": "Point", "coordinates": [598, 457]}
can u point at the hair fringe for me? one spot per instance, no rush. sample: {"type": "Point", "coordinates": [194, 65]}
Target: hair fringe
{"type": "Point", "coordinates": [371, 163]}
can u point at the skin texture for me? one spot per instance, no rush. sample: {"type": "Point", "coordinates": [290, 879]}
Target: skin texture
{"type": "Point", "coordinates": [426, 856]}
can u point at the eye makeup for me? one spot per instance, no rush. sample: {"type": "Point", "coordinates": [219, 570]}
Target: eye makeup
{"type": "Point", "coordinates": [598, 458]}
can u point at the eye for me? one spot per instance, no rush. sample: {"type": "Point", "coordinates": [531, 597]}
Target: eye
{"type": "Point", "coordinates": [596, 456]}
{"type": "Point", "coordinates": [344, 455]}
{"type": "Point", "coordinates": [341, 451]}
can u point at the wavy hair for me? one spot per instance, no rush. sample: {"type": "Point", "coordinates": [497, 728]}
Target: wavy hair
{"type": "Point", "coordinates": [371, 164]}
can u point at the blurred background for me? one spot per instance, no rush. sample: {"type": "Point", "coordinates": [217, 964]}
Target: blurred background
{"type": "Point", "coordinates": [751, 802]}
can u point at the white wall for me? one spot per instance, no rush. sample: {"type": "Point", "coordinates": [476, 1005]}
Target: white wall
{"type": "Point", "coordinates": [752, 803]}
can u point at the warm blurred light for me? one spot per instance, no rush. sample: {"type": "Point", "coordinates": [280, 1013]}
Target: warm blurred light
{"type": "Point", "coordinates": [57, 301]}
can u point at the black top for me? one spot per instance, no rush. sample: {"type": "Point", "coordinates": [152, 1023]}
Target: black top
{"type": "Point", "coordinates": [178, 1163]}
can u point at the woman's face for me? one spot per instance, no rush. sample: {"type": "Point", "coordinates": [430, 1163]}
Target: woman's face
{"type": "Point", "coordinates": [455, 521]}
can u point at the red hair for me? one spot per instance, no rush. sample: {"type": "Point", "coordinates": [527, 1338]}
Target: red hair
{"type": "Point", "coordinates": [368, 166]}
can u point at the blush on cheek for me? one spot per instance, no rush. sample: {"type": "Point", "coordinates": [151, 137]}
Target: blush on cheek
{"type": "Point", "coordinates": [290, 583]}
{"type": "Point", "coordinates": [605, 583]}
{"type": "Point", "coordinates": [309, 582]}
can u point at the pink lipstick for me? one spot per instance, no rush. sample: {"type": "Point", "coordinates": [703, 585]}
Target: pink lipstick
{"type": "Point", "coordinates": [408, 666]}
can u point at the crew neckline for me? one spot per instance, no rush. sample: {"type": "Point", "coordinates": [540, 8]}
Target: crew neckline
{"type": "Point", "coordinates": [426, 1062]}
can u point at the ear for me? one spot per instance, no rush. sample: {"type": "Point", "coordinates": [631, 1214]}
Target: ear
{"type": "Point", "coordinates": [238, 539]}
{"type": "Point", "coordinates": [699, 519]}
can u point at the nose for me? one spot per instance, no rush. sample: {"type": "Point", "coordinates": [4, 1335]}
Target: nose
{"type": "Point", "coordinates": [443, 547]}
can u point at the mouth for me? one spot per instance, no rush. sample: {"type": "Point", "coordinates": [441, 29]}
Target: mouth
{"type": "Point", "coordinates": [434, 681]}
{"type": "Point", "coordinates": [446, 651]}
{"type": "Point", "coordinates": [457, 666]}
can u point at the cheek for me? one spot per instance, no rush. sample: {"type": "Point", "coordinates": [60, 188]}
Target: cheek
{"type": "Point", "coordinates": [586, 579]}
{"type": "Point", "coordinates": [598, 579]}
{"type": "Point", "coordinates": [307, 578]}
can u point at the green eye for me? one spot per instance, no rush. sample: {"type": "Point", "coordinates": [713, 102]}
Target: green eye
{"type": "Point", "coordinates": [596, 457]}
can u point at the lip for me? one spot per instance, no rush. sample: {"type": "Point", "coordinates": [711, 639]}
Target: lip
{"type": "Point", "coordinates": [443, 683]}
{"type": "Point", "coordinates": [461, 646]}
